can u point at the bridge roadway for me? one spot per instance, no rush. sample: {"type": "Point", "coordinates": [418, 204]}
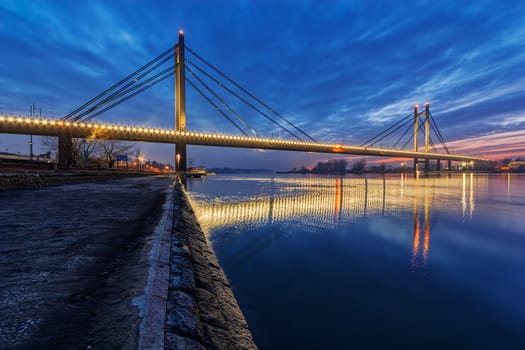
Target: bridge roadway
{"type": "Point", "coordinates": [54, 127]}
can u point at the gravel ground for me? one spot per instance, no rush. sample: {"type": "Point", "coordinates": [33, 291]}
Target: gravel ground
{"type": "Point", "coordinates": [74, 263]}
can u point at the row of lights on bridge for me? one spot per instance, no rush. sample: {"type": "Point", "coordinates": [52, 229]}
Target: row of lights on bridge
{"type": "Point", "coordinates": [53, 122]}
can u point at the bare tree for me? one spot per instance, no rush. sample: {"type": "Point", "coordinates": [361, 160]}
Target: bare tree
{"type": "Point", "coordinates": [90, 144]}
{"type": "Point", "coordinates": [109, 149]}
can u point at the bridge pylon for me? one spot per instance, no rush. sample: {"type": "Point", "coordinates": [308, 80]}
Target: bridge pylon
{"type": "Point", "coordinates": [180, 104]}
{"type": "Point", "coordinates": [417, 114]}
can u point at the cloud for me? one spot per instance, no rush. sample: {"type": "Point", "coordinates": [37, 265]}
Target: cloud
{"type": "Point", "coordinates": [342, 71]}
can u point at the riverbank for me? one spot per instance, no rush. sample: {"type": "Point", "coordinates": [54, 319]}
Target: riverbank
{"type": "Point", "coordinates": [202, 312]}
{"type": "Point", "coordinates": [73, 259]}
{"type": "Point", "coordinates": [112, 265]}
{"type": "Point", "coordinates": [16, 180]}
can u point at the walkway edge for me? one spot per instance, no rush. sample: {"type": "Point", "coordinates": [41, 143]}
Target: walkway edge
{"type": "Point", "coordinates": [151, 331]}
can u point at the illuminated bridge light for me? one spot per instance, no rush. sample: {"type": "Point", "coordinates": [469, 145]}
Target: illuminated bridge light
{"type": "Point", "coordinates": [10, 119]}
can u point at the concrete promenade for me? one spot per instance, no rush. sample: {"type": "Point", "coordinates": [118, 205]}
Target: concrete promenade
{"type": "Point", "coordinates": [89, 266]}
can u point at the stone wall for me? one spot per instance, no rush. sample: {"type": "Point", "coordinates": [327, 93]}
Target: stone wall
{"type": "Point", "coordinates": [202, 312]}
{"type": "Point", "coordinates": [17, 181]}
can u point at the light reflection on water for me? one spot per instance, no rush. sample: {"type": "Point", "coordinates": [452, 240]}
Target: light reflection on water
{"type": "Point", "coordinates": [338, 262]}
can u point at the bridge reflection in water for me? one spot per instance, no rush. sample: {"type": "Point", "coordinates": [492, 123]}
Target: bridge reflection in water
{"type": "Point", "coordinates": [315, 204]}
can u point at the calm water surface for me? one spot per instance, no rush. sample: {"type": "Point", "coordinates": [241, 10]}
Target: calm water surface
{"type": "Point", "coordinates": [355, 263]}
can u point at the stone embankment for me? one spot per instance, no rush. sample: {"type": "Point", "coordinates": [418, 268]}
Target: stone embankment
{"type": "Point", "coordinates": [202, 311]}
{"type": "Point", "coordinates": [17, 181]}
{"type": "Point", "coordinates": [75, 261]}
{"type": "Point", "coordinates": [189, 299]}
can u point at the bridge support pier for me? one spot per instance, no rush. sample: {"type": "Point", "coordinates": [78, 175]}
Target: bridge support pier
{"type": "Point", "coordinates": [65, 150]}
{"type": "Point", "coordinates": [427, 165]}
{"type": "Point", "coordinates": [180, 157]}
{"type": "Point", "coordinates": [449, 165]}
{"type": "Point", "coordinates": [438, 165]}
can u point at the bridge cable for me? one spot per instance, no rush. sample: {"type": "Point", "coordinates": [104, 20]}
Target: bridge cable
{"type": "Point", "coordinates": [251, 95]}
{"type": "Point", "coordinates": [412, 137]}
{"type": "Point", "coordinates": [438, 132]}
{"type": "Point", "coordinates": [431, 143]}
{"type": "Point", "coordinates": [442, 142]}
{"type": "Point", "coordinates": [103, 93]}
{"type": "Point", "coordinates": [408, 141]}
{"type": "Point", "coordinates": [244, 100]}
{"type": "Point", "coordinates": [389, 131]}
{"type": "Point", "coordinates": [215, 106]}
{"type": "Point", "coordinates": [436, 129]}
{"type": "Point", "coordinates": [224, 104]}
{"type": "Point", "coordinates": [366, 143]}
{"type": "Point", "coordinates": [408, 122]}
{"type": "Point", "coordinates": [122, 91]}
{"type": "Point", "coordinates": [402, 135]}
{"type": "Point", "coordinates": [160, 79]}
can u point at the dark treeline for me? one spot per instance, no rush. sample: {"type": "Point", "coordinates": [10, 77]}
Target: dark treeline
{"type": "Point", "coordinates": [342, 166]}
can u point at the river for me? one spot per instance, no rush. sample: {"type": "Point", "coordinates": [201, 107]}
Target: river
{"type": "Point", "coordinates": [372, 263]}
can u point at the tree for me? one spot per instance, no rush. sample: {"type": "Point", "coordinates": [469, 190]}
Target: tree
{"type": "Point", "coordinates": [333, 166]}
{"type": "Point", "coordinates": [358, 167]}
{"type": "Point", "coordinates": [109, 149]}
{"type": "Point", "coordinates": [51, 144]}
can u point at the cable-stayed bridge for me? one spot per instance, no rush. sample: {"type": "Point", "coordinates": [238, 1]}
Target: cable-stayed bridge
{"type": "Point", "coordinates": [80, 124]}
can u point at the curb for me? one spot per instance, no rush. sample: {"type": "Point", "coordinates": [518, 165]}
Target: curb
{"type": "Point", "coordinates": [151, 331]}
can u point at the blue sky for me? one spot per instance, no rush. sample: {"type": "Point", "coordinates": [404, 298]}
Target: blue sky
{"type": "Point", "coordinates": [341, 70]}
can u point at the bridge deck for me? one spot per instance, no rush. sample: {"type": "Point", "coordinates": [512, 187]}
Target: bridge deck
{"type": "Point", "coordinates": [54, 127]}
